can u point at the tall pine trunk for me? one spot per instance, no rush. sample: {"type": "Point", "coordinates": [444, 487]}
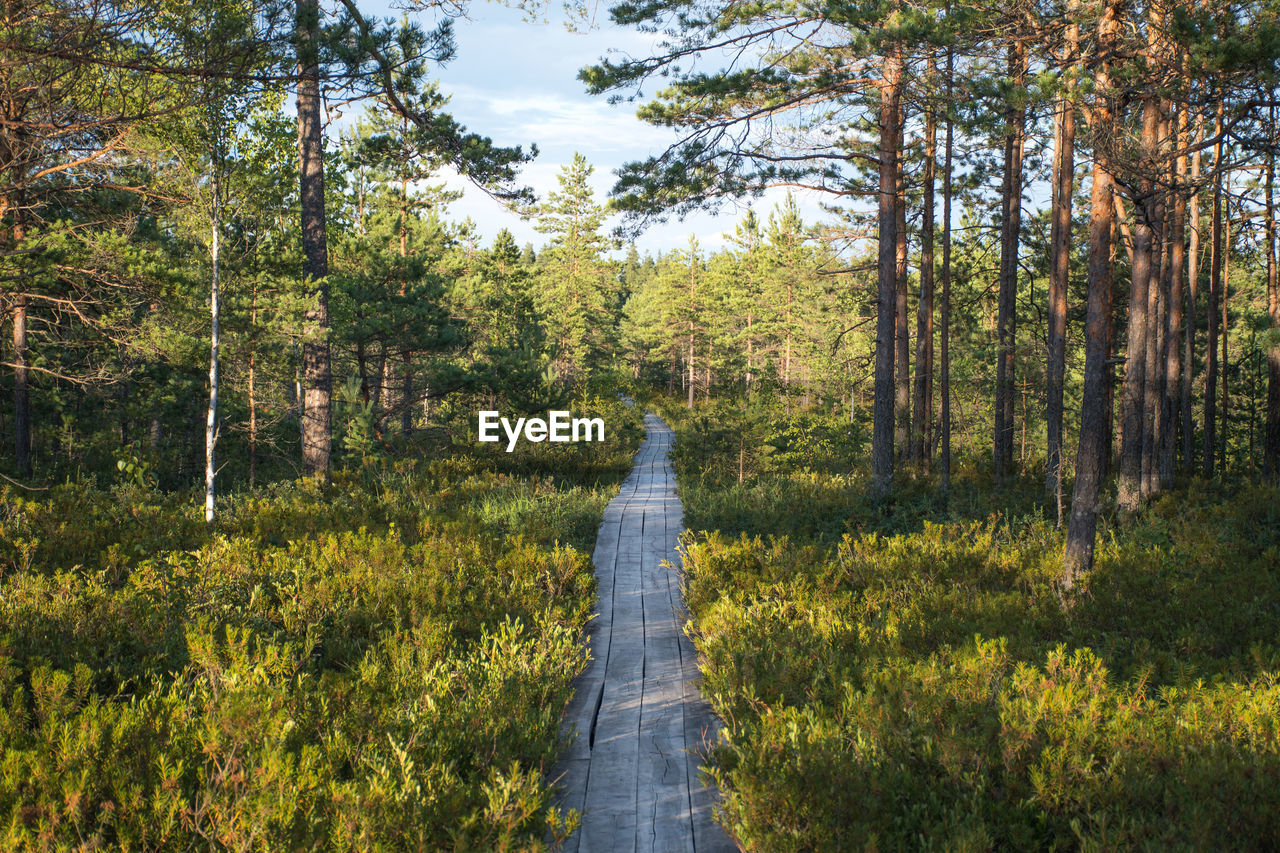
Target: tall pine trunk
{"type": "Point", "coordinates": [1059, 272]}
{"type": "Point", "coordinates": [1208, 451]}
{"type": "Point", "coordinates": [1093, 446]}
{"type": "Point", "coordinates": [1271, 452]}
{"type": "Point", "coordinates": [1153, 370]}
{"type": "Point", "coordinates": [922, 392]}
{"type": "Point", "coordinates": [317, 378]}
{"type": "Point", "coordinates": [902, 329]}
{"type": "Point", "coordinates": [1193, 293]}
{"type": "Point", "coordinates": [1175, 317]}
{"type": "Point", "coordinates": [944, 374]}
{"type": "Point", "coordinates": [21, 358]}
{"type": "Point", "coordinates": [887, 228]}
{"type": "Point", "coordinates": [1010, 225]}
{"type": "Point", "coordinates": [1145, 267]}
{"type": "Point", "coordinates": [1224, 426]}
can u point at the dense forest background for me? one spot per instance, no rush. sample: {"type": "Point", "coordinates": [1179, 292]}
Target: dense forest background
{"type": "Point", "coordinates": [247, 341]}
{"type": "Point", "coordinates": [1023, 161]}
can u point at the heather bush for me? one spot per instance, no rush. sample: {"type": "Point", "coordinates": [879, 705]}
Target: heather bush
{"type": "Point", "coordinates": [901, 672]}
{"type": "Point", "coordinates": [378, 663]}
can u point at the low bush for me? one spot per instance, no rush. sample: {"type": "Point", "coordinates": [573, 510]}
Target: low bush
{"type": "Point", "coordinates": [380, 663]}
{"type": "Point", "coordinates": [903, 675]}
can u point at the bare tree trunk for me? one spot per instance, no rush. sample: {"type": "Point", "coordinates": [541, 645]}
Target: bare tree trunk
{"type": "Point", "coordinates": [1208, 452]}
{"type": "Point", "coordinates": [882, 420]}
{"type": "Point", "coordinates": [902, 328]}
{"type": "Point", "coordinates": [1059, 273]}
{"type": "Point", "coordinates": [1223, 292]}
{"type": "Point", "coordinates": [1271, 453]}
{"type": "Point", "coordinates": [21, 360]}
{"type": "Point", "coordinates": [944, 378]}
{"type": "Point", "coordinates": [406, 354]}
{"type": "Point", "coordinates": [922, 397]}
{"type": "Point", "coordinates": [1193, 291]}
{"type": "Point", "coordinates": [211, 421]}
{"type": "Point", "coordinates": [253, 396]}
{"type": "Point", "coordinates": [1082, 526]}
{"type": "Point", "coordinates": [21, 387]}
{"type": "Point", "coordinates": [1132, 399]}
{"type": "Point", "coordinates": [1173, 330]}
{"type": "Point", "coordinates": [1010, 225]}
{"type": "Point", "coordinates": [317, 434]}
{"type": "Point", "coordinates": [1153, 370]}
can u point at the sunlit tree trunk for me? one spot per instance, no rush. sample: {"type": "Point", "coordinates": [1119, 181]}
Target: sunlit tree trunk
{"type": "Point", "coordinates": [1153, 370]}
{"type": "Point", "coordinates": [1208, 451]}
{"type": "Point", "coordinates": [1063, 187]}
{"type": "Point", "coordinates": [1271, 453]}
{"type": "Point", "coordinates": [887, 228]}
{"type": "Point", "coordinates": [317, 377]}
{"type": "Point", "coordinates": [902, 328]}
{"type": "Point", "coordinates": [944, 377]}
{"type": "Point", "coordinates": [1173, 330]}
{"type": "Point", "coordinates": [1082, 526]}
{"type": "Point", "coordinates": [922, 392]}
{"type": "Point", "coordinates": [1193, 292]}
{"type": "Point", "coordinates": [1224, 427]}
{"type": "Point", "coordinates": [211, 421]}
{"type": "Point", "coordinates": [1007, 310]}
{"type": "Point", "coordinates": [1145, 268]}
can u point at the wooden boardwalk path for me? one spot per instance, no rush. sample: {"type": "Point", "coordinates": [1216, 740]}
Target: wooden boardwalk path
{"type": "Point", "coordinates": [633, 770]}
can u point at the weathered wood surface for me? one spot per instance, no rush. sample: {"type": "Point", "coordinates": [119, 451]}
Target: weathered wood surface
{"type": "Point", "coordinates": [632, 769]}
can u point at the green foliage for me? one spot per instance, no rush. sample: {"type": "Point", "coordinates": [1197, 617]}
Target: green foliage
{"type": "Point", "coordinates": [380, 663]}
{"type": "Point", "coordinates": [901, 674]}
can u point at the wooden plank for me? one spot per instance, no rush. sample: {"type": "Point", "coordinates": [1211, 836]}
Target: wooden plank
{"type": "Point", "coordinates": [609, 819]}
{"type": "Point", "coordinates": [664, 822]}
{"type": "Point", "coordinates": [633, 768]}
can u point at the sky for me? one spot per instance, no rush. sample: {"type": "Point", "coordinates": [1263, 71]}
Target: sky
{"type": "Point", "coordinates": [516, 82]}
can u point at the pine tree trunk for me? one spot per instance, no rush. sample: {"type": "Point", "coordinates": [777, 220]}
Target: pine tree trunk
{"type": "Point", "coordinates": [1173, 331]}
{"type": "Point", "coordinates": [1271, 452]}
{"type": "Point", "coordinates": [1157, 289]}
{"type": "Point", "coordinates": [21, 387]}
{"type": "Point", "coordinates": [21, 360]}
{"type": "Point", "coordinates": [1145, 268]}
{"type": "Point", "coordinates": [317, 436]}
{"type": "Point", "coordinates": [1059, 272]}
{"type": "Point", "coordinates": [1007, 310]}
{"type": "Point", "coordinates": [944, 377]}
{"type": "Point", "coordinates": [1208, 451]}
{"type": "Point", "coordinates": [1189, 324]}
{"type": "Point", "coordinates": [253, 396]}
{"type": "Point", "coordinates": [1224, 290]}
{"type": "Point", "coordinates": [883, 420]}
{"type": "Point", "coordinates": [902, 328]}
{"type": "Point", "coordinates": [1082, 526]}
{"type": "Point", "coordinates": [922, 392]}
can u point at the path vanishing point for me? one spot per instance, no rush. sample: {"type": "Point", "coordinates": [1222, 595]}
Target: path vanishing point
{"type": "Point", "coordinates": [633, 769]}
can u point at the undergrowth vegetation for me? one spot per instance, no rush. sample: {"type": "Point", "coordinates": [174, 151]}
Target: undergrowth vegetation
{"type": "Point", "coordinates": [901, 673]}
{"type": "Point", "coordinates": [379, 663]}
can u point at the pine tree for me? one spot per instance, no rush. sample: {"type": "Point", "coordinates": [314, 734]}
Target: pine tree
{"type": "Point", "coordinates": [576, 290]}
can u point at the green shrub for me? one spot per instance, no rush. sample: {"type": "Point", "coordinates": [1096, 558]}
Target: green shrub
{"type": "Point", "coordinates": [900, 673]}
{"type": "Point", "coordinates": [378, 663]}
